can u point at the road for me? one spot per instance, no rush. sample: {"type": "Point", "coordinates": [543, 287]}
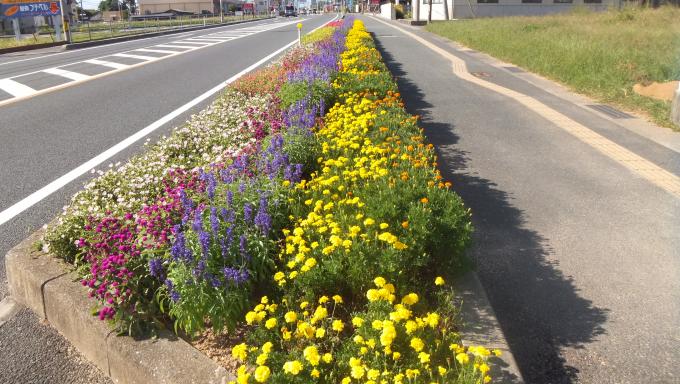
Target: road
{"type": "Point", "coordinates": [577, 248]}
{"type": "Point", "coordinates": [58, 110]}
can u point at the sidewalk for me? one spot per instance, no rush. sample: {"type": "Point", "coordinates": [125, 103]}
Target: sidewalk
{"type": "Point", "coordinates": [576, 214]}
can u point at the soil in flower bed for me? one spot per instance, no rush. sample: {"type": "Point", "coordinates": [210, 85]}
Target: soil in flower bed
{"type": "Point", "coordinates": [217, 346]}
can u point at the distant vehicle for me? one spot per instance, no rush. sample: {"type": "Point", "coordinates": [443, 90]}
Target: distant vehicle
{"type": "Point", "coordinates": [290, 11]}
{"type": "Point", "coordinates": [303, 12]}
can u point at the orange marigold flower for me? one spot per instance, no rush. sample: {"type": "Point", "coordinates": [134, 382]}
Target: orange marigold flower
{"type": "Point", "coordinates": [424, 200]}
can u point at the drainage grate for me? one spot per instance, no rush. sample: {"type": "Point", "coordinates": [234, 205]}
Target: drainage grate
{"type": "Point", "coordinates": [610, 111]}
{"type": "Point", "coordinates": [514, 69]}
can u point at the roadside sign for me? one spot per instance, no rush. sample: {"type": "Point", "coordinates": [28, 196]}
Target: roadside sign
{"type": "Point", "coordinates": [28, 8]}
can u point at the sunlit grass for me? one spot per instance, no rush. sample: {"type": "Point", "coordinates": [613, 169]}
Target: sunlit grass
{"type": "Point", "coordinates": [599, 54]}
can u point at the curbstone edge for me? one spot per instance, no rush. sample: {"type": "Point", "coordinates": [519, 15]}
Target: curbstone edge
{"type": "Point", "coordinates": [480, 327]}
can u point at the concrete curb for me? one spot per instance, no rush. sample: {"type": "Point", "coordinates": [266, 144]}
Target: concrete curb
{"type": "Point", "coordinates": [480, 327]}
{"type": "Point", "coordinates": [94, 43]}
{"type": "Point", "coordinates": [42, 283]}
{"type": "Point", "coordinates": [30, 47]}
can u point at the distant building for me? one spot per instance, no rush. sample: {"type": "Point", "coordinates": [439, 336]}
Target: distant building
{"type": "Point", "coordinates": [194, 6]}
{"type": "Point", "coordinates": [464, 9]}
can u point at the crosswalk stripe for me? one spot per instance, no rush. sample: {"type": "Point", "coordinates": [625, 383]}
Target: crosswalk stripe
{"type": "Point", "coordinates": [16, 89]}
{"type": "Point", "coordinates": [67, 74]}
{"type": "Point", "coordinates": [198, 43]}
{"type": "Point", "coordinates": [175, 46]}
{"type": "Point", "coordinates": [156, 50]}
{"type": "Point", "coordinates": [140, 57]}
{"type": "Point", "coordinates": [106, 63]}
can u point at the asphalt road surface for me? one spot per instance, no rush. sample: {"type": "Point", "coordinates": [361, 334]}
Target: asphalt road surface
{"type": "Point", "coordinates": [58, 110]}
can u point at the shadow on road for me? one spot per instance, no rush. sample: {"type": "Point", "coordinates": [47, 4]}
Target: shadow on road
{"type": "Point", "coordinates": [539, 309]}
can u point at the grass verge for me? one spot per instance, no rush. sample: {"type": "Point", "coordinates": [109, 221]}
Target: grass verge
{"type": "Point", "coordinates": [601, 54]}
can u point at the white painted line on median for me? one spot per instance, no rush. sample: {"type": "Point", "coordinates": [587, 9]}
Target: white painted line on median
{"type": "Point", "coordinates": [139, 57]}
{"type": "Point", "coordinates": [16, 89]}
{"type": "Point", "coordinates": [176, 46]}
{"type": "Point", "coordinates": [198, 43]}
{"type": "Point", "coordinates": [67, 74]}
{"type": "Point", "coordinates": [109, 64]}
{"type": "Point", "coordinates": [59, 183]}
{"type": "Point", "coordinates": [154, 50]}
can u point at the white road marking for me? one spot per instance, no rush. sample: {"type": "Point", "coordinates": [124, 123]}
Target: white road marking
{"type": "Point", "coordinates": [16, 89]}
{"type": "Point", "coordinates": [67, 74]}
{"type": "Point", "coordinates": [59, 183]}
{"type": "Point", "coordinates": [155, 50]}
{"type": "Point", "coordinates": [112, 44]}
{"type": "Point", "coordinates": [175, 46]}
{"type": "Point", "coordinates": [106, 63]}
{"type": "Point", "coordinates": [211, 39]}
{"type": "Point", "coordinates": [199, 43]}
{"type": "Point", "coordinates": [140, 57]}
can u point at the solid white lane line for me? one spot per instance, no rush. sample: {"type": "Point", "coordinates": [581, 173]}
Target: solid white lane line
{"type": "Point", "coordinates": [155, 50]}
{"type": "Point", "coordinates": [67, 74]}
{"type": "Point", "coordinates": [175, 46]}
{"type": "Point", "coordinates": [59, 183]}
{"type": "Point", "coordinates": [140, 57]}
{"type": "Point", "coordinates": [16, 89]}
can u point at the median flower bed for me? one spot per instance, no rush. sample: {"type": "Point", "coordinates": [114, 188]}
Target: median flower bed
{"type": "Point", "coordinates": [302, 208]}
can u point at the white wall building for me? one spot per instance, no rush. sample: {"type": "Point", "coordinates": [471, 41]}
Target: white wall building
{"type": "Point", "coordinates": [462, 9]}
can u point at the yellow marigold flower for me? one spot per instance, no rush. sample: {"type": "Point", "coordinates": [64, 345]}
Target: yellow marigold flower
{"type": "Point", "coordinates": [346, 380]}
{"type": "Point", "coordinates": [327, 358]}
{"type": "Point", "coordinates": [463, 358]}
{"type": "Point", "coordinates": [369, 221]}
{"type": "Point", "coordinates": [261, 359]}
{"type": "Point", "coordinates": [242, 375]}
{"type": "Point", "coordinates": [250, 317]}
{"type": "Point", "coordinates": [338, 325]}
{"type": "Point", "coordinates": [357, 372]}
{"type": "Point", "coordinates": [442, 371]}
{"type": "Point", "coordinates": [357, 321]}
{"type": "Point", "coordinates": [377, 324]}
{"type": "Point", "coordinates": [487, 379]}
{"type": "Point", "coordinates": [323, 299]}
{"type": "Point", "coordinates": [396, 355]}
{"type": "Point", "coordinates": [337, 299]}
{"type": "Point", "coordinates": [372, 295]}
{"type": "Point", "coordinates": [286, 335]}
{"type": "Point", "coordinates": [304, 305]}
{"type": "Point", "coordinates": [379, 282]}
{"type": "Point", "coordinates": [315, 373]}
{"type": "Point", "coordinates": [264, 300]}
{"type": "Point", "coordinates": [417, 344]}
{"type": "Point", "coordinates": [410, 299]}
{"type": "Point", "coordinates": [384, 225]}
{"type": "Point", "coordinates": [320, 333]}
{"type": "Point", "coordinates": [279, 276]}
{"type": "Point", "coordinates": [424, 357]}
{"type": "Point", "coordinates": [370, 343]}
{"type": "Point", "coordinates": [358, 339]}
{"type": "Point", "coordinates": [497, 352]}
{"type": "Point", "coordinates": [484, 368]}
{"type": "Point", "coordinates": [373, 374]}
{"type": "Point", "coordinates": [267, 347]}
{"type": "Point", "coordinates": [439, 281]}
{"type": "Point", "coordinates": [290, 317]}
{"type": "Point", "coordinates": [312, 355]}
{"type": "Point", "coordinates": [240, 351]}
{"type": "Point", "coordinates": [292, 367]}
{"type": "Point", "coordinates": [389, 288]}
{"type": "Point", "coordinates": [432, 319]}
{"type": "Point", "coordinates": [270, 323]}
